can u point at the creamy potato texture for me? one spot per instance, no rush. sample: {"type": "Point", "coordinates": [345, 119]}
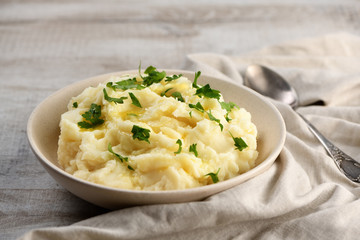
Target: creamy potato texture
{"type": "Point", "coordinates": [151, 132]}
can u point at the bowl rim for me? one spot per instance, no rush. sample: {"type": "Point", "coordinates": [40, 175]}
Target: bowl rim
{"type": "Point", "coordinates": [261, 167]}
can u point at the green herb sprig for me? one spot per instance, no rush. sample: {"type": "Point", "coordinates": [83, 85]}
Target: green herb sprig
{"type": "Point", "coordinates": [172, 78]}
{"type": "Point", "coordinates": [197, 106]}
{"type": "Point", "coordinates": [192, 148]}
{"type": "Point", "coordinates": [214, 176]}
{"type": "Point", "coordinates": [121, 158]}
{"type": "Point", "coordinates": [207, 91]}
{"type": "Point", "coordinates": [111, 99]}
{"type": "Point", "coordinates": [179, 142]}
{"type": "Point", "coordinates": [131, 83]}
{"type": "Point", "coordinates": [177, 95]}
{"type": "Point", "coordinates": [197, 75]}
{"type": "Point", "coordinates": [212, 118]}
{"type": "Point", "coordinates": [153, 76]}
{"type": "Point", "coordinates": [92, 117]}
{"type": "Point", "coordinates": [118, 156]}
{"type": "Point", "coordinates": [228, 107]}
{"type": "Point", "coordinates": [164, 92]}
{"type": "Point", "coordinates": [134, 100]}
{"type": "Point", "coordinates": [239, 143]}
{"type": "Point", "coordinates": [142, 134]}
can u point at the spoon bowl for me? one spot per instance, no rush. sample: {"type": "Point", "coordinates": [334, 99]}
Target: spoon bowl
{"type": "Point", "coordinates": [269, 83]}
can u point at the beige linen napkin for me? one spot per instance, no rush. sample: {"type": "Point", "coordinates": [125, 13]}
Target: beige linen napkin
{"type": "Point", "coordinates": [303, 195]}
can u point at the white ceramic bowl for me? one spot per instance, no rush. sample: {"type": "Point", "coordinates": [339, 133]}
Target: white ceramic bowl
{"type": "Point", "coordinates": [43, 133]}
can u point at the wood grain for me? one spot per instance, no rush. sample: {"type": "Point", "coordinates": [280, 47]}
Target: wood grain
{"type": "Point", "coordinates": [46, 45]}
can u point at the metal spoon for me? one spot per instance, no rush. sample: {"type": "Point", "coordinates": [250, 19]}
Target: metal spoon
{"type": "Point", "coordinates": [268, 83]}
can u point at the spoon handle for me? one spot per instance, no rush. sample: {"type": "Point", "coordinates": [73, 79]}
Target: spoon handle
{"type": "Point", "coordinates": [344, 162]}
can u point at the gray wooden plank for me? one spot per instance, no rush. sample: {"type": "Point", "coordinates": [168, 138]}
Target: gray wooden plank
{"type": "Point", "coordinates": [25, 209]}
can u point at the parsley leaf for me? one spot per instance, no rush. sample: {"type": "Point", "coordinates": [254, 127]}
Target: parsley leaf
{"type": "Point", "coordinates": [121, 158]}
{"type": "Point", "coordinates": [150, 69]}
{"type": "Point", "coordinates": [164, 92]}
{"type": "Point", "coordinates": [228, 106]}
{"type": "Point", "coordinates": [75, 105]}
{"type": "Point", "coordinates": [197, 106]}
{"type": "Point", "coordinates": [227, 117]}
{"type": "Point", "coordinates": [140, 70]}
{"type": "Point", "coordinates": [110, 99]}
{"type": "Point", "coordinates": [212, 118]}
{"type": "Point", "coordinates": [240, 144]}
{"type": "Point", "coordinates": [140, 133]}
{"type": "Point", "coordinates": [86, 125]}
{"type": "Point", "coordinates": [153, 76]}
{"type": "Point", "coordinates": [192, 148]}
{"type": "Point", "coordinates": [197, 75]}
{"type": "Point", "coordinates": [180, 146]}
{"type": "Point", "coordinates": [126, 84]}
{"type": "Point", "coordinates": [92, 117]}
{"type": "Point", "coordinates": [214, 176]}
{"type": "Point", "coordinates": [110, 85]}
{"type": "Point", "coordinates": [174, 77]}
{"type": "Point", "coordinates": [208, 92]}
{"type": "Point", "coordinates": [178, 96]}
{"type": "Point", "coordinates": [134, 100]}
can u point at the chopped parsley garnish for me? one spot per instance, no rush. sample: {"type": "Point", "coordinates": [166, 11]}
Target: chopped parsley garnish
{"type": "Point", "coordinates": [121, 158]}
{"type": "Point", "coordinates": [140, 69]}
{"type": "Point", "coordinates": [179, 142]}
{"type": "Point", "coordinates": [214, 176]}
{"type": "Point", "coordinates": [227, 117]}
{"type": "Point", "coordinates": [153, 76]}
{"type": "Point", "coordinates": [140, 133]}
{"type": "Point", "coordinates": [177, 95]}
{"type": "Point", "coordinates": [207, 91]}
{"type": "Point", "coordinates": [228, 106]}
{"type": "Point", "coordinates": [212, 118]}
{"type": "Point", "coordinates": [192, 148]}
{"type": "Point", "coordinates": [197, 75]}
{"type": "Point", "coordinates": [239, 143]}
{"type": "Point", "coordinates": [92, 117]}
{"type": "Point", "coordinates": [164, 92]}
{"type": "Point", "coordinates": [125, 84]}
{"type": "Point", "coordinates": [134, 100]}
{"type": "Point", "coordinates": [197, 106]}
{"type": "Point", "coordinates": [172, 78]}
{"type": "Point", "coordinates": [75, 105]}
{"type": "Point", "coordinates": [110, 85]}
{"type": "Point", "coordinates": [111, 99]}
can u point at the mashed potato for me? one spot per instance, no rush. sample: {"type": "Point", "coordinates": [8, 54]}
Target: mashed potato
{"type": "Point", "coordinates": [155, 132]}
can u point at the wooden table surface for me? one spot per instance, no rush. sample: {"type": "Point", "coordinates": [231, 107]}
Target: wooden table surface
{"type": "Point", "coordinates": [46, 45]}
